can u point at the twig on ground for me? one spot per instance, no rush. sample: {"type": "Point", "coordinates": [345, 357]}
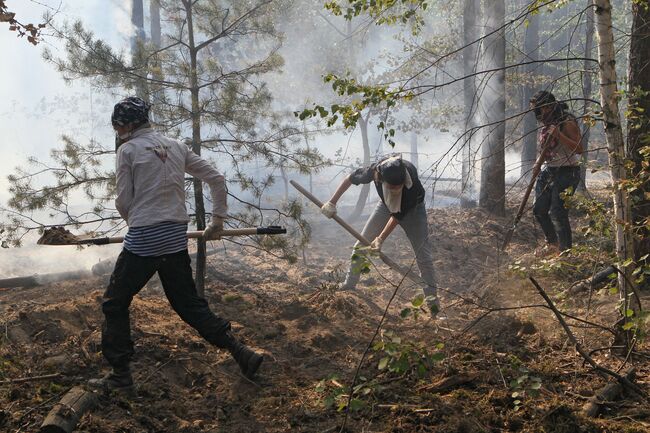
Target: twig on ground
{"type": "Point", "coordinates": [30, 379]}
{"type": "Point", "coordinates": [623, 380]}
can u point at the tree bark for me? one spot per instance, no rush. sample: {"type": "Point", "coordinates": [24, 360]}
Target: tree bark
{"type": "Point", "coordinates": [470, 59]}
{"type": "Point", "coordinates": [608, 393]}
{"type": "Point", "coordinates": [65, 415]}
{"type": "Point", "coordinates": [614, 135]}
{"type": "Point", "coordinates": [586, 94]}
{"type": "Point", "coordinates": [531, 51]}
{"type": "Point", "coordinates": [414, 149]}
{"type": "Point", "coordinates": [154, 12]}
{"type": "Point", "coordinates": [638, 132]}
{"type": "Point", "coordinates": [492, 195]}
{"type": "Point", "coordinates": [196, 148]}
{"type": "Point", "coordinates": [137, 42]}
{"type": "Point", "coordinates": [365, 189]}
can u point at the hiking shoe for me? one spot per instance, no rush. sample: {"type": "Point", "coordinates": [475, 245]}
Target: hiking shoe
{"type": "Point", "coordinates": [116, 379]}
{"type": "Point", "coordinates": [248, 360]}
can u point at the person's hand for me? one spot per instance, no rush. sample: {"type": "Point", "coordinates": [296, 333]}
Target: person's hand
{"type": "Point", "coordinates": [328, 209]}
{"type": "Point", "coordinates": [375, 245]}
{"type": "Point", "coordinates": [212, 231]}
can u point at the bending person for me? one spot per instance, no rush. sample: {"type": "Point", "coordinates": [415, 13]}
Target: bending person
{"type": "Point", "coordinates": [151, 198]}
{"type": "Point", "coordinates": [402, 203]}
{"type": "Point", "coordinates": [561, 171]}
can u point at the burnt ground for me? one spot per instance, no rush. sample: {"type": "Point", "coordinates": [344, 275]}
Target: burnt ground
{"type": "Point", "coordinates": [454, 374]}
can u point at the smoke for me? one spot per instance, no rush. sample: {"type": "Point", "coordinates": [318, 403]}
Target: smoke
{"type": "Point", "coordinates": [33, 259]}
{"type": "Point", "coordinates": [121, 13]}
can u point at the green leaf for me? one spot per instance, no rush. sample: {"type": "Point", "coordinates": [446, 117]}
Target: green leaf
{"type": "Point", "coordinates": [356, 404]}
{"type": "Point", "coordinates": [418, 300]}
{"type": "Point", "coordinates": [628, 326]}
{"type": "Point", "coordinates": [629, 312]}
{"type": "Point", "coordinates": [515, 394]}
{"type": "Point", "coordinates": [536, 385]}
{"type": "Point", "coordinates": [405, 313]}
{"type": "Point", "coordinates": [383, 363]}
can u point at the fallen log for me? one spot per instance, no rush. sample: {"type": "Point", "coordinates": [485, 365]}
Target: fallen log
{"type": "Point", "coordinates": [609, 392]}
{"type": "Point", "coordinates": [448, 383]}
{"type": "Point", "coordinates": [65, 415]}
{"type": "Point", "coordinates": [592, 283]}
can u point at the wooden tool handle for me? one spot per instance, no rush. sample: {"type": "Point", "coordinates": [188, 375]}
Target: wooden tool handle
{"type": "Point", "coordinates": [357, 235]}
{"type": "Point", "coordinates": [269, 230]}
{"type": "Point", "coordinates": [537, 167]}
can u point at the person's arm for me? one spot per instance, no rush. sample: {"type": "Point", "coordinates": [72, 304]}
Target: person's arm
{"type": "Point", "coordinates": [569, 136]}
{"type": "Point", "coordinates": [390, 226]}
{"type": "Point", "coordinates": [343, 186]}
{"type": "Point", "coordinates": [124, 184]}
{"type": "Point", "coordinates": [388, 229]}
{"type": "Point", "coordinates": [202, 169]}
{"type": "Point", "coordinates": [329, 207]}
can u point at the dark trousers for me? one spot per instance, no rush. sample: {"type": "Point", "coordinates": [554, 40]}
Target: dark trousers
{"type": "Point", "coordinates": [549, 207]}
{"type": "Point", "coordinates": [130, 275]}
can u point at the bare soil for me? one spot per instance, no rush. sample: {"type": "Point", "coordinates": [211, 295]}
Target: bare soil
{"type": "Point", "coordinates": [490, 333]}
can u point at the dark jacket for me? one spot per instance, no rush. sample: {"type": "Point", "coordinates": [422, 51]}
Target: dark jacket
{"type": "Point", "coordinates": [410, 197]}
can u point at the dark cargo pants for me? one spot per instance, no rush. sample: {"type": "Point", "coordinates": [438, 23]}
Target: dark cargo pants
{"type": "Point", "coordinates": [130, 275]}
{"type": "Point", "coordinates": [549, 207]}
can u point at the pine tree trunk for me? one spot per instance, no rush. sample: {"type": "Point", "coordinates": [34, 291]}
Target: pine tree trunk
{"type": "Point", "coordinates": [196, 148]}
{"type": "Point", "coordinates": [365, 189]}
{"type": "Point", "coordinates": [154, 12]}
{"type": "Point", "coordinates": [492, 195]}
{"type": "Point", "coordinates": [613, 131]}
{"type": "Point", "coordinates": [157, 95]}
{"type": "Point", "coordinates": [638, 132]}
{"type": "Point", "coordinates": [137, 42]}
{"type": "Point", "coordinates": [586, 94]}
{"type": "Point", "coordinates": [531, 50]}
{"type": "Point", "coordinates": [414, 149]}
{"type": "Point", "coordinates": [470, 101]}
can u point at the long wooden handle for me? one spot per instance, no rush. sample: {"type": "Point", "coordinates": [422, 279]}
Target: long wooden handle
{"type": "Point", "coordinates": [270, 230]}
{"type": "Point", "coordinates": [357, 235]}
{"type": "Point", "coordinates": [537, 167]}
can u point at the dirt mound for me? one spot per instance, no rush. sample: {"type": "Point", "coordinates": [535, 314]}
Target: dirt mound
{"type": "Point", "coordinates": [494, 361]}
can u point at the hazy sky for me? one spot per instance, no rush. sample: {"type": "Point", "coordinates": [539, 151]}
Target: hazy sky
{"type": "Point", "coordinates": [37, 106]}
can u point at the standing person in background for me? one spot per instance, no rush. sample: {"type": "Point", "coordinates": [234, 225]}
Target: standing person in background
{"type": "Point", "coordinates": [151, 198]}
{"type": "Point", "coordinates": [561, 172]}
{"type": "Point", "coordinates": [402, 203]}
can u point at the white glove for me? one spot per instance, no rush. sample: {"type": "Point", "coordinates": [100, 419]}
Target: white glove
{"type": "Point", "coordinates": [328, 209]}
{"type": "Point", "coordinates": [215, 227]}
{"type": "Point", "coordinates": [375, 245]}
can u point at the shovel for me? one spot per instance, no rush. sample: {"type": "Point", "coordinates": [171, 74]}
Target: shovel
{"type": "Point", "coordinates": [61, 236]}
{"type": "Point", "coordinates": [522, 207]}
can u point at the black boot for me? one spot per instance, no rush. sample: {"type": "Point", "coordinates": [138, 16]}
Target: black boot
{"type": "Point", "coordinates": [117, 379]}
{"type": "Point", "coordinates": [246, 358]}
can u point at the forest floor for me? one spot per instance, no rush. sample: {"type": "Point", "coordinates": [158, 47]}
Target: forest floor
{"type": "Point", "coordinates": [495, 360]}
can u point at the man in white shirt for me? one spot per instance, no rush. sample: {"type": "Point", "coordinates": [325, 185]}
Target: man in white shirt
{"type": "Point", "coordinates": [151, 198]}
